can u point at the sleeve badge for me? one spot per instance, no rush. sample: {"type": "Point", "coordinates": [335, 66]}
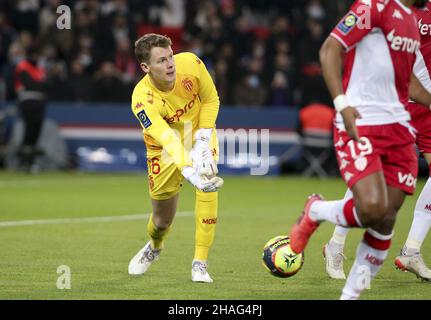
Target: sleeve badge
{"type": "Point", "coordinates": [347, 24]}
{"type": "Point", "coordinates": [143, 118]}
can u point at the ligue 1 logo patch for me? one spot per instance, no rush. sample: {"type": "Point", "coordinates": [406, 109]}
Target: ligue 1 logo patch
{"type": "Point", "coordinates": [142, 116]}
{"type": "Point", "coordinates": [348, 23]}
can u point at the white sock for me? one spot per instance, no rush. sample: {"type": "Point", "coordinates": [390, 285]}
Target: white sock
{"type": "Point", "coordinates": [370, 255]}
{"type": "Point", "coordinates": [421, 222]}
{"type": "Point", "coordinates": [331, 211]}
{"type": "Point", "coordinates": [340, 233]}
{"type": "Point", "coordinates": [334, 212]}
{"type": "Point", "coordinates": [339, 236]}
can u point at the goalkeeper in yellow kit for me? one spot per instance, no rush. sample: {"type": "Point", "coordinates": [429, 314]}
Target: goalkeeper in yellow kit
{"type": "Point", "coordinates": [177, 104]}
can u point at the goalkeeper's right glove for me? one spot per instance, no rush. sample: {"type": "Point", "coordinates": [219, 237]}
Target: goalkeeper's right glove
{"type": "Point", "coordinates": [201, 153]}
{"type": "Point", "coordinates": [201, 182]}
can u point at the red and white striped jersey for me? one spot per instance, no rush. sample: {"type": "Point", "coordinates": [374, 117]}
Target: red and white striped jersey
{"type": "Point", "coordinates": [422, 68]}
{"type": "Point", "coordinates": [382, 39]}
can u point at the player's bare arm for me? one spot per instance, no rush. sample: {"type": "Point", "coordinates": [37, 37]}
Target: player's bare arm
{"type": "Point", "coordinates": [418, 93]}
{"type": "Point", "coordinates": [331, 57]}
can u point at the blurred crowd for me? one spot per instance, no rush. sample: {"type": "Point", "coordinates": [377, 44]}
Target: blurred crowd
{"type": "Point", "coordinates": [260, 53]}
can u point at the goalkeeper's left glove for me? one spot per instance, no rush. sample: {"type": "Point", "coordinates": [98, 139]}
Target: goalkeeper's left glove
{"type": "Point", "coordinates": [201, 182]}
{"type": "Point", "coordinates": [201, 153]}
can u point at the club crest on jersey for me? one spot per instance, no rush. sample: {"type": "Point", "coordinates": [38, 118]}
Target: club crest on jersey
{"type": "Point", "coordinates": [142, 116]}
{"type": "Point", "coordinates": [187, 84]}
{"type": "Point", "coordinates": [348, 23]}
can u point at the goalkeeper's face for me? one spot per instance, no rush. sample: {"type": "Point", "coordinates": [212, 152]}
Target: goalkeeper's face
{"type": "Point", "coordinates": [161, 65]}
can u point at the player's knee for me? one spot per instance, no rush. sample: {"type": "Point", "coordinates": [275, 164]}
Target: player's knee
{"type": "Point", "coordinates": [372, 211]}
{"type": "Point", "coordinates": [386, 227]}
{"type": "Point", "coordinates": [162, 223]}
{"type": "Point", "coordinates": [387, 224]}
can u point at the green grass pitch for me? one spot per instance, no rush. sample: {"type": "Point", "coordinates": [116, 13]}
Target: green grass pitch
{"type": "Point", "coordinates": [251, 211]}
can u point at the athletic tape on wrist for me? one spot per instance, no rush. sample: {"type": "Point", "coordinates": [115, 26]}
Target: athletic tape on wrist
{"type": "Point", "coordinates": [340, 103]}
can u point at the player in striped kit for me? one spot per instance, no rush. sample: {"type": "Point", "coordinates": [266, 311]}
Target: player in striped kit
{"type": "Point", "coordinates": [373, 137]}
{"type": "Point", "coordinates": [410, 258]}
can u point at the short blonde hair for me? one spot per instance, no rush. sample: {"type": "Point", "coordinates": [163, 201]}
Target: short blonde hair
{"type": "Point", "coordinates": [148, 41]}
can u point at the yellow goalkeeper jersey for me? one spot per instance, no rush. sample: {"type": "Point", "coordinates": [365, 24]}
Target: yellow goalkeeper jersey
{"type": "Point", "coordinates": [169, 119]}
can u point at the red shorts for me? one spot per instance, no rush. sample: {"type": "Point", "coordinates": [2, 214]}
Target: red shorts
{"type": "Point", "coordinates": [421, 120]}
{"type": "Point", "coordinates": [389, 148]}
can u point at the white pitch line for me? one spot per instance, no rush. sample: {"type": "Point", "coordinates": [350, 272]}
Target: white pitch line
{"type": "Point", "coordinates": [131, 217]}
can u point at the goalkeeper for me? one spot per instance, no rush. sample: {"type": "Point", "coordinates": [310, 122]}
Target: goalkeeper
{"type": "Point", "coordinates": [177, 104]}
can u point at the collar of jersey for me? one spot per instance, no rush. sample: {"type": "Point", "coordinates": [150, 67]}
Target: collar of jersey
{"type": "Point", "coordinates": [406, 9]}
{"type": "Point", "coordinates": [163, 93]}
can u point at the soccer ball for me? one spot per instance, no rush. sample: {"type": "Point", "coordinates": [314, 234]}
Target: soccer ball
{"type": "Point", "coordinates": [279, 259]}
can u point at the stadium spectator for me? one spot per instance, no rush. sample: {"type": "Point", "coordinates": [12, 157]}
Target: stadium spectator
{"type": "Point", "coordinates": [205, 15]}
{"type": "Point", "coordinates": [125, 62]}
{"type": "Point", "coordinates": [315, 10]}
{"type": "Point", "coordinates": [48, 32]}
{"type": "Point", "coordinates": [241, 37]}
{"type": "Point", "coordinates": [309, 70]}
{"type": "Point", "coordinates": [85, 52]}
{"type": "Point", "coordinates": [110, 7]}
{"type": "Point", "coordinates": [108, 85]}
{"type": "Point", "coordinates": [121, 29]}
{"type": "Point", "coordinates": [282, 82]}
{"type": "Point", "coordinates": [173, 13]}
{"type": "Point", "coordinates": [251, 91]}
{"type": "Point", "coordinates": [25, 15]}
{"type": "Point", "coordinates": [6, 38]}
{"type": "Point", "coordinates": [81, 84]}
{"type": "Point", "coordinates": [26, 39]}
{"type": "Point", "coordinates": [222, 82]}
{"type": "Point", "coordinates": [48, 17]}
{"type": "Point", "coordinates": [282, 34]}
{"type": "Point", "coordinates": [57, 86]}
{"type": "Point", "coordinates": [30, 87]}
{"type": "Point", "coordinates": [226, 55]}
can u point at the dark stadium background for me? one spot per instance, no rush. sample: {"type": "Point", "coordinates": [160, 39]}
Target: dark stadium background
{"type": "Point", "coordinates": [235, 38]}
{"type": "Point", "coordinates": [263, 56]}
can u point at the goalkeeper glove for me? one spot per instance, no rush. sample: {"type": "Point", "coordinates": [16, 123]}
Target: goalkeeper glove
{"type": "Point", "coordinates": [201, 154]}
{"type": "Point", "coordinates": [200, 182]}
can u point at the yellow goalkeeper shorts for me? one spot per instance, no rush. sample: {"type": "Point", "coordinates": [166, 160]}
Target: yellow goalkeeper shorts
{"type": "Point", "coordinates": [164, 178]}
